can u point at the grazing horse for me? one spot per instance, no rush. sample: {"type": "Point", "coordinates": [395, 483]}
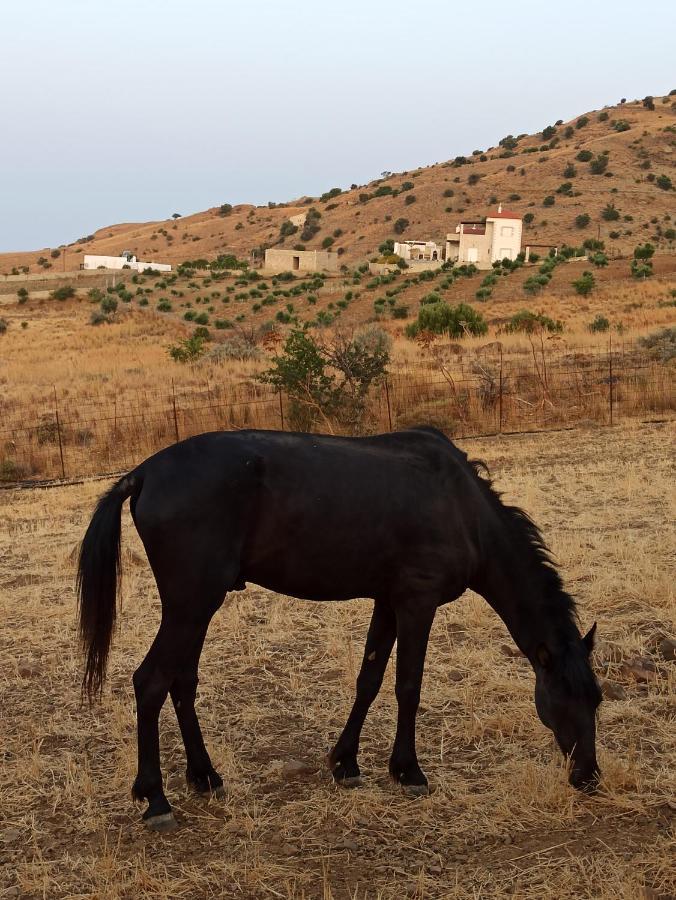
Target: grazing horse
{"type": "Point", "coordinates": [405, 519]}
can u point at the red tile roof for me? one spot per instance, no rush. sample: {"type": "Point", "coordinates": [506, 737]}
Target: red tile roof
{"type": "Point", "coordinates": [505, 214]}
{"type": "Point", "coordinates": [473, 228]}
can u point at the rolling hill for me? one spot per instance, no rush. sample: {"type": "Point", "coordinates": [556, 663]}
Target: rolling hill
{"type": "Point", "coordinates": [614, 166]}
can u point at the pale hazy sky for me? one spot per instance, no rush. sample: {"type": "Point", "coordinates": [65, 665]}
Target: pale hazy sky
{"type": "Point", "coordinates": [130, 111]}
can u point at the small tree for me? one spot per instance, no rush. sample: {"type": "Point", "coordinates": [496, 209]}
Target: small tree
{"type": "Point", "coordinates": [22, 295]}
{"type": "Point", "coordinates": [585, 284]}
{"type": "Point", "coordinates": [188, 350]}
{"type": "Point", "coordinates": [644, 251]}
{"type": "Point", "coordinates": [649, 102]}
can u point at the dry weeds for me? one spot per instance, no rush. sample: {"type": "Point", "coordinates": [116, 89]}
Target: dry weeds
{"type": "Point", "coordinates": [277, 683]}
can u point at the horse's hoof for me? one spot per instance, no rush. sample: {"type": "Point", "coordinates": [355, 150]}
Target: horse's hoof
{"type": "Point", "coordinates": [416, 790]}
{"type": "Point", "coordinates": [219, 793]}
{"type": "Point", "coordinates": [163, 823]}
{"type": "Point", "coordinates": [352, 781]}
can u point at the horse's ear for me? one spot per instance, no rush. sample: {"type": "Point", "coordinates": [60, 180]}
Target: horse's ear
{"type": "Point", "coordinates": [588, 639]}
{"type": "Point", "coordinates": [543, 656]}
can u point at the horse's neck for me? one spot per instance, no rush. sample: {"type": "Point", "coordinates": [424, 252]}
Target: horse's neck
{"type": "Point", "coordinates": [534, 610]}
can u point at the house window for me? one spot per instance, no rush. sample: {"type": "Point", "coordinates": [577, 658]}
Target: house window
{"type": "Point", "coordinates": [506, 252]}
{"type": "Point", "coordinates": [507, 231]}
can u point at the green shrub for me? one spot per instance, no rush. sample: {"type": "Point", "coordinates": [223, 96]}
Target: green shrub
{"type": "Point", "coordinates": [566, 188]}
{"type": "Point", "coordinates": [549, 201]}
{"type": "Point", "coordinates": [570, 171]}
{"type": "Point", "coordinates": [225, 209]}
{"type": "Point", "coordinates": [108, 305]}
{"type": "Point", "coordinates": [63, 293]}
{"type": "Point", "coordinates": [188, 350]}
{"type": "Point", "coordinates": [456, 321]}
{"type": "Point", "coordinates": [599, 324]}
{"type": "Point", "coordinates": [582, 221]}
{"type": "Point", "coordinates": [582, 122]}
{"type": "Point", "coordinates": [609, 213]}
{"type": "Point", "coordinates": [527, 321]}
{"type": "Point", "coordinates": [661, 344]}
{"type": "Point", "coordinates": [600, 260]}
{"type": "Point", "coordinates": [164, 306]}
{"type": "Point", "coordinates": [603, 116]}
{"type": "Point", "coordinates": [664, 182]}
{"type": "Point", "coordinates": [287, 228]}
{"type": "Point", "coordinates": [528, 218]}
{"type": "Point", "coordinates": [584, 156]}
{"type": "Point", "coordinates": [585, 284]}
{"type": "Point", "coordinates": [4, 325]}
{"type": "Point", "coordinates": [22, 295]}
{"type": "Point", "coordinates": [644, 251]}
{"type": "Point", "coordinates": [409, 199]}
{"type": "Point", "coordinates": [599, 165]}
{"type": "Point", "coordinates": [400, 226]}
{"type": "Point", "coordinates": [621, 125]}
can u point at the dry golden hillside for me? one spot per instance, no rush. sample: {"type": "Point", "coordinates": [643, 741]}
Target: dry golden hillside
{"type": "Point", "coordinates": [639, 160]}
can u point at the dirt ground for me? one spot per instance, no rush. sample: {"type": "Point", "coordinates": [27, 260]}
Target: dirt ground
{"type": "Point", "coordinates": [276, 685]}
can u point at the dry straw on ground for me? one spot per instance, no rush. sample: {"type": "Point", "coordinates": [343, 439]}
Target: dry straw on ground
{"type": "Point", "coordinates": [277, 682]}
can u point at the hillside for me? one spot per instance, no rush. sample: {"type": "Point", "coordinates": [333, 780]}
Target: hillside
{"type": "Point", "coordinates": [638, 143]}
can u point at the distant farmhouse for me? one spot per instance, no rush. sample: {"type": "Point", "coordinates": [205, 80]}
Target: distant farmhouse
{"type": "Point", "coordinates": [481, 243]}
{"type": "Point", "coordinates": [126, 261]}
{"type": "Point", "coordinates": [300, 261]}
{"type": "Point", "coordinates": [484, 243]}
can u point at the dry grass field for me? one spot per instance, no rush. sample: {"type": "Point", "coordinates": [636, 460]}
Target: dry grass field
{"type": "Point", "coordinates": [276, 685]}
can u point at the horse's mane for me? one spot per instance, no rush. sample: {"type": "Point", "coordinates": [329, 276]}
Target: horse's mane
{"type": "Point", "coordinates": [573, 665]}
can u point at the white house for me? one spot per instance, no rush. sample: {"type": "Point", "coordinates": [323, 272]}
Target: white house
{"type": "Point", "coordinates": [125, 261]}
{"type": "Point", "coordinates": [484, 243]}
{"type": "Point", "coordinates": [418, 250]}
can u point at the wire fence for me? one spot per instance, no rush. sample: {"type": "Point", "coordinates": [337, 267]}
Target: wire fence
{"type": "Point", "coordinates": [490, 392]}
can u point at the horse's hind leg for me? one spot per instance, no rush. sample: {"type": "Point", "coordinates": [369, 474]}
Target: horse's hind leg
{"type": "Point", "coordinates": [379, 643]}
{"type": "Point", "coordinates": [171, 665]}
{"type": "Point", "coordinates": [199, 771]}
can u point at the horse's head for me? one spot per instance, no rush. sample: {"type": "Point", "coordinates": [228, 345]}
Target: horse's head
{"type": "Point", "coordinates": [567, 696]}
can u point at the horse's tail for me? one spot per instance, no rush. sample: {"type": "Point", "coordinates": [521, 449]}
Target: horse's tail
{"type": "Point", "coordinates": [98, 575]}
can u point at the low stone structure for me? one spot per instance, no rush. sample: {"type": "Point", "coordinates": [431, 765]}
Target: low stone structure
{"type": "Point", "coordinates": [423, 251]}
{"type": "Point", "coordinates": [300, 261]}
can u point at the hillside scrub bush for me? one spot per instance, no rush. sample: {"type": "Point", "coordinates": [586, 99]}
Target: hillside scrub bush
{"type": "Point", "coordinates": [549, 201]}
{"type": "Point", "coordinates": [584, 156]}
{"type": "Point", "coordinates": [570, 171]}
{"type": "Point", "coordinates": [225, 209]}
{"type": "Point", "coordinates": [649, 102]}
{"type": "Point", "coordinates": [661, 344]}
{"type": "Point", "coordinates": [603, 116]}
{"type": "Point", "coordinates": [600, 260]}
{"type": "Point", "coordinates": [329, 195]}
{"type": "Point", "coordinates": [22, 295]}
{"type": "Point", "coordinates": [566, 188]}
{"type": "Point", "coordinates": [528, 322]}
{"type": "Point", "coordinates": [287, 228]}
{"type": "Point", "coordinates": [455, 321]}
{"type": "Point", "coordinates": [528, 218]}
{"type": "Point", "coordinates": [4, 325]}
{"type": "Point", "coordinates": [568, 132]}
{"type": "Point", "coordinates": [599, 325]}
{"type": "Point", "coordinates": [66, 292]}
{"type": "Point", "coordinates": [535, 283]}
{"type": "Point", "coordinates": [409, 199]}
{"type": "Point", "coordinates": [311, 226]}
{"type": "Point", "coordinates": [582, 122]}
{"type": "Point", "coordinates": [599, 165]}
{"type": "Point", "coordinates": [644, 251]}
{"type": "Point", "coordinates": [400, 226]}
{"type": "Point", "coordinates": [620, 125]}
{"type": "Point", "coordinates": [548, 132]}
{"type": "Point", "coordinates": [664, 182]}
{"type": "Point", "coordinates": [582, 221]}
{"type": "Point", "coordinates": [585, 284]}
{"type": "Point", "coordinates": [610, 213]}
{"type": "Point", "coordinates": [188, 350]}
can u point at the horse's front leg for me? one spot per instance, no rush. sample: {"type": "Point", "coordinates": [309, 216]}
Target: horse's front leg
{"type": "Point", "coordinates": [414, 618]}
{"type": "Point", "coordinates": [379, 643]}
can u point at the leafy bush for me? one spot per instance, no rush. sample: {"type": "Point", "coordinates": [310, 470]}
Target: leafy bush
{"type": "Point", "coordinates": [456, 321]}
{"type": "Point", "coordinates": [164, 306]}
{"type": "Point", "coordinates": [549, 201]}
{"type": "Point", "coordinates": [548, 132]}
{"type": "Point", "coordinates": [661, 344]}
{"type": "Point", "coordinates": [528, 218]}
{"type": "Point", "coordinates": [406, 186]}
{"type": "Point", "coordinates": [584, 155]}
{"type": "Point", "coordinates": [566, 188]}
{"type": "Point", "coordinates": [311, 226]}
{"type": "Point", "coordinates": [287, 228]}
{"type": "Point", "coordinates": [600, 260]}
{"type": "Point", "coordinates": [599, 324]}
{"type": "Point", "coordinates": [108, 305]}
{"type": "Point", "coordinates": [400, 226]}
{"type": "Point", "coordinates": [603, 116]}
{"type": "Point", "coordinates": [649, 102]}
{"type": "Point", "coordinates": [644, 251]}
{"type": "Point", "coordinates": [22, 295]}
{"type": "Point", "coordinates": [535, 283]}
{"type": "Point", "coordinates": [329, 380]}
{"type": "Point", "coordinates": [609, 213]}
{"type": "Point", "coordinates": [582, 122]}
{"type": "Point", "coordinates": [449, 192]}
{"type": "Point", "coordinates": [188, 350]}
{"type": "Point", "coordinates": [599, 165]}
{"type": "Point", "coordinates": [664, 182]}
{"type": "Point", "coordinates": [409, 199]}
{"type": "Point", "coordinates": [329, 195]}
{"type": "Point", "coordinates": [621, 125]}
{"type": "Point", "coordinates": [582, 220]}
{"type": "Point", "coordinates": [327, 242]}
{"type": "Point", "coordinates": [4, 325]}
{"type": "Point", "coordinates": [225, 209]}
{"type": "Point", "coordinates": [585, 284]}
{"type": "Point", "coordinates": [528, 322]}
{"type": "Point", "coordinates": [63, 293]}
{"type": "Point", "coordinates": [570, 171]}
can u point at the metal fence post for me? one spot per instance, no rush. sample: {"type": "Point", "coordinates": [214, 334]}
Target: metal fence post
{"type": "Point", "coordinates": [389, 408]}
{"type": "Point", "coordinates": [500, 396]}
{"type": "Point", "coordinates": [58, 432]}
{"type": "Point", "coordinates": [281, 410]}
{"type": "Point", "coordinates": [173, 402]}
{"type": "Point", "coordinates": [610, 377]}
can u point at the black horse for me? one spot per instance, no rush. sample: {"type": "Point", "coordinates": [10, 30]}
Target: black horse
{"type": "Point", "coordinates": [404, 518]}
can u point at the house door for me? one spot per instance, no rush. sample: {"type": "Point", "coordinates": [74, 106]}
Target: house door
{"type": "Point", "coordinates": [296, 262]}
{"type": "Point", "coordinates": [472, 254]}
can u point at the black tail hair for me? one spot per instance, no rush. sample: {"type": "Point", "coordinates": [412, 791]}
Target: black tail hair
{"type": "Point", "coordinates": [98, 575]}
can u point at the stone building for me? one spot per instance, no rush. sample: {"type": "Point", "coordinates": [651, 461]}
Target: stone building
{"type": "Point", "coordinates": [484, 243]}
{"type": "Point", "coordinates": [300, 261]}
